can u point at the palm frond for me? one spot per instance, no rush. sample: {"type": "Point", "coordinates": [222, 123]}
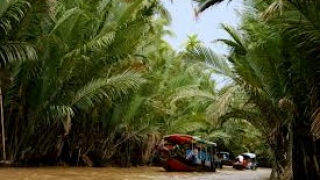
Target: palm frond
{"type": "Point", "coordinates": [222, 104]}
{"type": "Point", "coordinates": [192, 93]}
{"type": "Point", "coordinates": [65, 17]}
{"type": "Point", "coordinates": [123, 82]}
{"type": "Point", "coordinates": [97, 43]}
{"type": "Point", "coordinates": [308, 21]}
{"type": "Point", "coordinates": [133, 110]}
{"type": "Point", "coordinates": [11, 51]}
{"type": "Point", "coordinates": [164, 13]}
{"type": "Point", "coordinates": [89, 94]}
{"type": "Point", "coordinates": [60, 111]}
{"type": "Point", "coordinates": [219, 134]}
{"type": "Point", "coordinates": [188, 125]}
{"type": "Point", "coordinates": [236, 43]}
{"type": "Point", "coordinates": [11, 13]}
{"type": "Point", "coordinates": [99, 89]}
{"type": "Point", "coordinates": [205, 4]}
{"type": "Point", "coordinates": [217, 63]}
{"type": "Point", "coordinates": [276, 7]}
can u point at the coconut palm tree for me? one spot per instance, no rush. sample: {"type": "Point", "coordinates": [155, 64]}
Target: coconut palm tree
{"type": "Point", "coordinates": [298, 18]}
{"type": "Point", "coordinates": [251, 70]}
{"type": "Point", "coordinates": [83, 66]}
{"type": "Point", "coordinates": [299, 38]}
{"type": "Point", "coordinates": [305, 98]}
{"type": "Point", "coordinates": [12, 48]}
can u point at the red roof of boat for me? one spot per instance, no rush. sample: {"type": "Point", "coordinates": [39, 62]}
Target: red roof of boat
{"type": "Point", "coordinates": [179, 139]}
{"type": "Point", "coordinates": [186, 139]}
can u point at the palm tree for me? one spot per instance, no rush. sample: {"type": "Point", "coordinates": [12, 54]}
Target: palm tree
{"type": "Point", "coordinates": [251, 70]}
{"type": "Point", "coordinates": [300, 62]}
{"type": "Point", "coordinates": [83, 66]}
{"type": "Point", "coordinates": [12, 48]}
{"type": "Point", "coordinates": [300, 18]}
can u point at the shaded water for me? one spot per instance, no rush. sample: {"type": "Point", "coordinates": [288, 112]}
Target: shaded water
{"type": "Point", "coordinates": [140, 173]}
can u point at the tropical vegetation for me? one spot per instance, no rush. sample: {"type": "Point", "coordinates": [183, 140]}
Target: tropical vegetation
{"type": "Point", "coordinates": [93, 82]}
{"type": "Point", "coordinates": [274, 57]}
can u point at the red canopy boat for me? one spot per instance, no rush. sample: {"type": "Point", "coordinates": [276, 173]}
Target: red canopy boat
{"type": "Point", "coordinates": [176, 148]}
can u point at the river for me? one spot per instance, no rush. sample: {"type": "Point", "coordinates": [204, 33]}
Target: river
{"type": "Point", "coordinates": [139, 173]}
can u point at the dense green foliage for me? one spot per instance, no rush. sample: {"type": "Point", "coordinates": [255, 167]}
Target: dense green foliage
{"type": "Point", "coordinates": [274, 59]}
{"type": "Point", "coordinates": [94, 82]}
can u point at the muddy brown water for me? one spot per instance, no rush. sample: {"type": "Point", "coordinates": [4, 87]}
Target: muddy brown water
{"type": "Point", "coordinates": [139, 173]}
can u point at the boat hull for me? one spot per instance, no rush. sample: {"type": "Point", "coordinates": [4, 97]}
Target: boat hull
{"type": "Point", "coordinates": [179, 165]}
{"type": "Point", "coordinates": [239, 166]}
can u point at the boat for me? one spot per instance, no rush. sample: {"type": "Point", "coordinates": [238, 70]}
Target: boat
{"type": "Point", "coordinates": [186, 153]}
{"type": "Point", "coordinates": [225, 158]}
{"type": "Point", "coordinates": [246, 161]}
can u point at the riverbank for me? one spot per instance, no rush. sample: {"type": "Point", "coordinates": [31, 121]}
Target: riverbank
{"type": "Point", "coordinates": [138, 173]}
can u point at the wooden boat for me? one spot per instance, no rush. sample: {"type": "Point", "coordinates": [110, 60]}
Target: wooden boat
{"type": "Point", "coordinates": [181, 165]}
{"type": "Point", "coordinates": [175, 149]}
{"type": "Point", "coordinates": [225, 158]}
{"type": "Point", "coordinates": [248, 162]}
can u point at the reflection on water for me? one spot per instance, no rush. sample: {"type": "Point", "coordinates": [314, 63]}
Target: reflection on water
{"type": "Point", "coordinates": [141, 173]}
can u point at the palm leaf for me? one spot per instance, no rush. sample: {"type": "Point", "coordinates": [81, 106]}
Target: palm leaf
{"type": "Point", "coordinates": [217, 64]}
{"type": "Point", "coordinates": [222, 104]}
{"type": "Point", "coordinates": [60, 111]}
{"type": "Point", "coordinates": [11, 13]}
{"type": "Point", "coordinates": [105, 88]}
{"type": "Point", "coordinates": [219, 134]}
{"type": "Point", "coordinates": [16, 51]}
{"type": "Point", "coordinates": [205, 4]}
{"type": "Point", "coordinates": [122, 83]}
{"type": "Point", "coordinates": [192, 93]}
{"type": "Point", "coordinates": [237, 42]}
{"type": "Point", "coordinates": [188, 125]}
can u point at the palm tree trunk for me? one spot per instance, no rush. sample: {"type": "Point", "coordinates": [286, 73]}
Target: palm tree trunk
{"type": "Point", "coordinates": [288, 167]}
{"type": "Point", "coordinates": [274, 171]}
{"type": "Point", "coordinates": [281, 147]}
{"type": "Point", "coordinates": [128, 154]}
{"type": "Point", "coordinates": [4, 156]}
{"type": "Point", "coordinates": [305, 155]}
{"type": "Point", "coordinates": [51, 8]}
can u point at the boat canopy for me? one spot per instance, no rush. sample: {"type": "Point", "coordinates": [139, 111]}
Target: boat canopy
{"type": "Point", "coordinates": [250, 155]}
{"type": "Point", "coordinates": [187, 139]}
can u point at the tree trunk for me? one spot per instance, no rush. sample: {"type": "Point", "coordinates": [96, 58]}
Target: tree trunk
{"type": "Point", "coordinates": [128, 154]}
{"type": "Point", "coordinates": [304, 155]}
{"type": "Point", "coordinates": [3, 134]}
{"type": "Point", "coordinates": [274, 172]}
{"type": "Point", "coordinates": [286, 159]}
{"type": "Point", "coordinates": [281, 147]}
{"type": "Point", "coordinates": [288, 145]}
{"type": "Point", "coordinates": [51, 8]}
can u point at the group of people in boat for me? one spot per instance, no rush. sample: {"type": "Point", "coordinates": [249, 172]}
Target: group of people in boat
{"type": "Point", "coordinates": [245, 162]}
{"type": "Point", "coordinates": [195, 155]}
{"type": "Point", "coordinates": [190, 153]}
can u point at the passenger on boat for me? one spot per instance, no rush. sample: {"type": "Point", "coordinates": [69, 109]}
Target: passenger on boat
{"type": "Point", "coordinates": [239, 159]}
{"type": "Point", "coordinates": [247, 163]}
{"type": "Point", "coordinates": [194, 156]}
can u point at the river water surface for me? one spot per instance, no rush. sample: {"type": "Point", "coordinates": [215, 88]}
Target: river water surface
{"type": "Point", "coordinates": [139, 173]}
